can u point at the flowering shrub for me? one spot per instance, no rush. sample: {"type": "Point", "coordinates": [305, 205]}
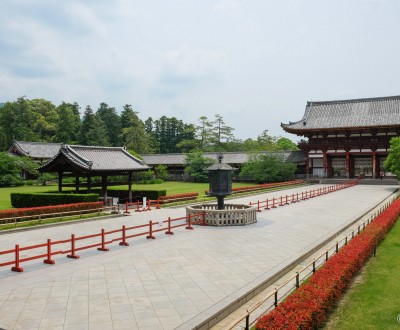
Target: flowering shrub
{"type": "Point", "coordinates": [12, 213]}
{"type": "Point", "coordinates": [264, 186]}
{"type": "Point", "coordinates": [308, 307]}
{"type": "Point", "coordinates": [166, 199]}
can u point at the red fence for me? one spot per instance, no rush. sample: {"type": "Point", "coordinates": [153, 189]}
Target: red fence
{"type": "Point", "coordinates": [104, 238]}
{"type": "Point", "coordinates": [298, 197]}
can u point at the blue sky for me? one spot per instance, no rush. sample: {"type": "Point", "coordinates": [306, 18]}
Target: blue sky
{"type": "Point", "coordinates": [255, 62]}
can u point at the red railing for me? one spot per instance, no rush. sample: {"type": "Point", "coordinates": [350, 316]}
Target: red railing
{"type": "Point", "coordinates": [140, 207]}
{"type": "Point", "coordinates": [104, 239]}
{"type": "Point", "coordinates": [298, 197]}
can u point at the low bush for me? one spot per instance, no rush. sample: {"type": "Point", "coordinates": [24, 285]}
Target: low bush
{"type": "Point", "coordinates": [49, 209]}
{"type": "Point", "coordinates": [19, 200]}
{"type": "Point", "coordinates": [123, 194]}
{"type": "Point", "coordinates": [178, 197]}
{"type": "Point", "coordinates": [309, 306]}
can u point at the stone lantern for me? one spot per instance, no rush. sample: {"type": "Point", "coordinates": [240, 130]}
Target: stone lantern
{"type": "Point", "coordinates": [220, 176]}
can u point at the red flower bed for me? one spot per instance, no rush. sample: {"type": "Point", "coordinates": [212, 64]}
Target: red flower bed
{"type": "Point", "coordinates": [264, 186]}
{"type": "Point", "coordinates": [309, 306]}
{"type": "Point", "coordinates": [13, 213]}
{"type": "Point", "coordinates": [180, 196]}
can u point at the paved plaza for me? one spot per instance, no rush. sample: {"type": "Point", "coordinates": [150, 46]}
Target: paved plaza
{"type": "Point", "coordinates": [174, 281]}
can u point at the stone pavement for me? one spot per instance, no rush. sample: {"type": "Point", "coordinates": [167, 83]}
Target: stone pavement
{"type": "Point", "coordinates": [173, 281]}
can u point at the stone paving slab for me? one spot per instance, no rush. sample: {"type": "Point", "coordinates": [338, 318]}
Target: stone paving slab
{"type": "Point", "coordinates": [172, 281]}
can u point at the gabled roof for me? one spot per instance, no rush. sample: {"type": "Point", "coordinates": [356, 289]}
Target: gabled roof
{"type": "Point", "coordinates": [345, 114]}
{"type": "Point", "coordinates": [232, 158]}
{"type": "Point", "coordinates": [90, 159]}
{"type": "Point", "coordinates": [35, 150]}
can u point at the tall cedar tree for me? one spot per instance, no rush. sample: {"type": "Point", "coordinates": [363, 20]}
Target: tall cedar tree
{"type": "Point", "coordinates": [112, 123]}
{"type": "Point", "coordinates": [69, 123]}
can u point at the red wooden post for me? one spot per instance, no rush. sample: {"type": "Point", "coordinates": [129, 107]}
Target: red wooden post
{"type": "Point", "coordinates": [73, 255]}
{"type": "Point", "coordinates": [49, 260]}
{"type": "Point", "coordinates": [148, 205]}
{"type": "Point", "coordinates": [158, 204]}
{"type": "Point", "coordinates": [189, 226]}
{"type": "Point", "coordinates": [273, 204]}
{"type": "Point", "coordinates": [126, 208]}
{"type": "Point", "coordinates": [150, 230]}
{"type": "Point", "coordinates": [286, 202]}
{"type": "Point", "coordinates": [17, 268]}
{"type": "Point", "coordinates": [267, 206]}
{"type": "Point", "coordinates": [103, 244]}
{"type": "Point", "coordinates": [124, 242]}
{"type": "Point", "coordinates": [297, 197]}
{"type": "Point", "coordinates": [258, 206]}
{"type": "Point", "coordinates": [281, 203]}
{"type": "Point", "coordinates": [169, 231]}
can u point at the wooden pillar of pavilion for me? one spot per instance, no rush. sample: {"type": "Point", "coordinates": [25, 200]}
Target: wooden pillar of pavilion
{"type": "Point", "coordinates": [325, 165]}
{"type": "Point", "coordinates": [130, 187]}
{"type": "Point", "coordinates": [60, 177]}
{"type": "Point", "coordinates": [347, 164]}
{"type": "Point", "coordinates": [307, 166]}
{"type": "Point", "coordinates": [374, 164]}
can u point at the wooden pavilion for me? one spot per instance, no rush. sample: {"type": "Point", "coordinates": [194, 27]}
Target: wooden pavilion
{"type": "Point", "coordinates": [88, 161]}
{"type": "Point", "coordinates": [347, 138]}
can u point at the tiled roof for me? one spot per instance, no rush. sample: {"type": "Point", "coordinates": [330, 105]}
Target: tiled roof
{"type": "Point", "coordinates": [96, 159]}
{"type": "Point", "coordinates": [371, 112]}
{"type": "Point", "coordinates": [231, 158]}
{"type": "Point", "coordinates": [38, 150]}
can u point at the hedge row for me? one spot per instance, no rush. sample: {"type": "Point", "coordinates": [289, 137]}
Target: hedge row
{"type": "Point", "coordinates": [187, 196]}
{"type": "Point", "coordinates": [49, 209]}
{"type": "Point", "coordinates": [264, 186]}
{"type": "Point", "coordinates": [310, 305]}
{"type": "Point", "coordinates": [19, 200]}
{"type": "Point", "coordinates": [123, 195]}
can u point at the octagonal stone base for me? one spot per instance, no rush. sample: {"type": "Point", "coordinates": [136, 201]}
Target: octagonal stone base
{"type": "Point", "coordinates": [232, 215]}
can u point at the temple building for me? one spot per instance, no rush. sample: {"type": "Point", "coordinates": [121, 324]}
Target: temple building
{"type": "Point", "coordinates": [347, 138]}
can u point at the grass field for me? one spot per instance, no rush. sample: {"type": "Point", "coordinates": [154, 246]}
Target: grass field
{"type": "Point", "coordinates": [373, 301]}
{"type": "Point", "coordinates": [171, 188]}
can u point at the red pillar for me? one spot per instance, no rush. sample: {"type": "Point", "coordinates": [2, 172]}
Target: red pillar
{"type": "Point", "coordinates": [374, 164]}
{"type": "Point", "coordinates": [347, 164]}
{"type": "Point", "coordinates": [325, 165]}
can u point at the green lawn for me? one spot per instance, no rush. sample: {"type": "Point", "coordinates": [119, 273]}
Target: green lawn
{"type": "Point", "coordinates": [373, 301]}
{"type": "Point", "coordinates": [171, 188]}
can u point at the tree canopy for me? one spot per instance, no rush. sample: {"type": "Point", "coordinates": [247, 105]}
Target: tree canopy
{"type": "Point", "coordinates": [268, 168]}
{"type": "Point", "coordinates": [39, 120]}
{"type": "Point", "coordinates": [392, 162]}
{"type": "Point", "coordinates": [196, 165]}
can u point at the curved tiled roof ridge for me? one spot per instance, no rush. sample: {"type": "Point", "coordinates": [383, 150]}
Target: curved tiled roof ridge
{"type": "Point", "coordinates": [354, 113]}
{"type": "Point", "coordinates": [359, 100]}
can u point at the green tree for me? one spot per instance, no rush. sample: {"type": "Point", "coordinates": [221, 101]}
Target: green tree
{"type": "Point", "coordinates": [134, 135]}
{"type": "Point", "coordinates": [93, 131]}
{"type": "Point", "coordinates": [161, 171]}
{"type": "Point", "coordinates": [268, 168]}
{"type": "Point", "coordinates": [196, 165]}
{"type": "Point", "coordinates": [392, 162]}
{"type": "Point", "coordinates": [112, 123]}
{"type": "Point", "coordinates": [204, 133]}
{"type": "Point", "coordinates": [69, 123]}
{"type": "Point", "coordinates": [16, 122]}
{"type": "Point", "coordinates": [286, 144]}
{"type": "Point", "coordinates": [11, 168]}
{"type": "Point", "coordinates": [221, 132]}
{"type": "Point", "coordinates": [46, 118]}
